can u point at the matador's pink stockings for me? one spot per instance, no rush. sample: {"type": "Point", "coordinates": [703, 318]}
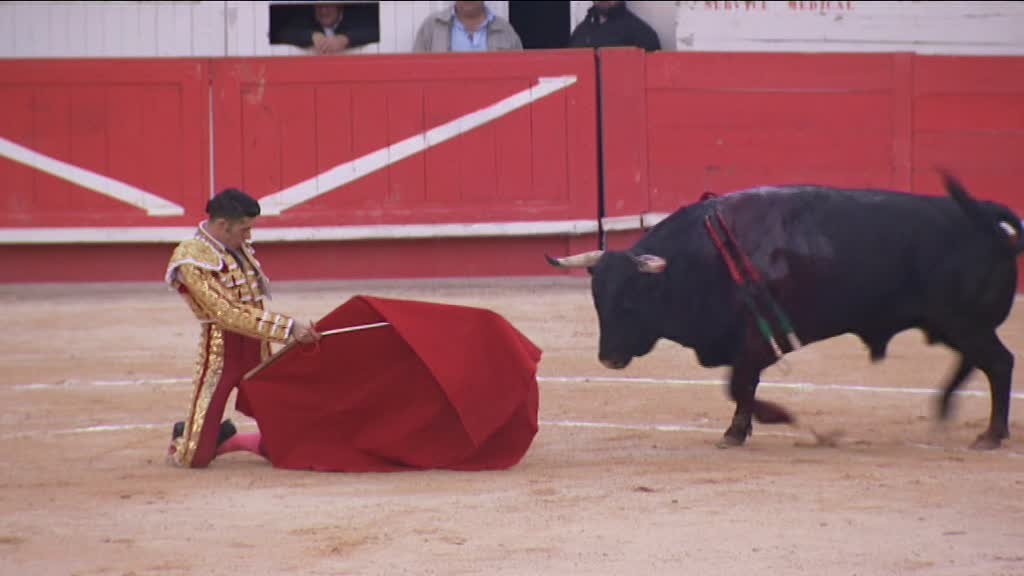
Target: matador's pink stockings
{"type": "Point", "coordinates": [241, 443]}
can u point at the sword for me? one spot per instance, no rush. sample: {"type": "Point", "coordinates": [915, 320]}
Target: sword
{"type": "Point", "coordinates": [276, 355]}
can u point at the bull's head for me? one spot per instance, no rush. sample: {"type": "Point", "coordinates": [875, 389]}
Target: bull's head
{"type": "Point", "coordinates": [627, 295]}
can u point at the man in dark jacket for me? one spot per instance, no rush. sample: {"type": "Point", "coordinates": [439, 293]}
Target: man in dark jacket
{"type": "Point", "coordinates": [611, 24]}
{"type": "Point", "coordinates": [327, 30]}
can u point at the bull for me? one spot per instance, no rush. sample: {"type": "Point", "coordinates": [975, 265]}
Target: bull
{"type": "Point", "coordinates": [871, 263]}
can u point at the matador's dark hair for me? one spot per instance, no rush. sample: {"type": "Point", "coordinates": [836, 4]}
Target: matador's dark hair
{"type": "Point", "coordinates": [232, 204]}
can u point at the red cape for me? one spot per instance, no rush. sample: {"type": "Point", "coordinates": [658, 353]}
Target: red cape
{"type": "Point", "coordinates": [442, 386]}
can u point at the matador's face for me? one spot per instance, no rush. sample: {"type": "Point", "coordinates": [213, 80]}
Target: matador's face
{"type": "Point", "coordinates": [232, 233]}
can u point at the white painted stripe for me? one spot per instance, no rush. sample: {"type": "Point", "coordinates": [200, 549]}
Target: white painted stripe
{"type": "Point", "coordinates": [353, 170]}
{"type": "Point", "coordinates": [167, 235]}
{"type": "Point", "coordinates": [651, 219]}
{"type": "Point", "coordinates": [414, 231]}
{"type": "Point", "coordinates": [621, 223]}
{"type": "Point", "coordinates": [106, 428]}
{"type": "Point", "coordinates": [804, 386]}
{"type": "Point", "coordinates": [102, 383]}
{"type": "Point", "coordinates": [658, 427]}
{"type": "Point", "coordinates": [151, 203]}
{"type": "Point", "coordinates": [544, 423]}
{"type": "Point", "coordinates": [155, 235]}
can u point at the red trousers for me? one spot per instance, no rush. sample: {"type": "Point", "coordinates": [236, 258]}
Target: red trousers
{"type": "Point", "coordinates": [224, 358]}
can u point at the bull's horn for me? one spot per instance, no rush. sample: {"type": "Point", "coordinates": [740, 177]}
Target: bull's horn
{"type": "Point", "coordinates": [583, 260]}
{"type": "Point", "coordinates": [1008, 228]}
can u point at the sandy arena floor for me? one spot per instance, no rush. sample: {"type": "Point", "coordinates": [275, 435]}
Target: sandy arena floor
{"type": "Point", "coordinates": [623, 477]}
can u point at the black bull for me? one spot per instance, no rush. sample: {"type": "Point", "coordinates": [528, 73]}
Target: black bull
{"type": "Point", "coordinates": [865, 262]}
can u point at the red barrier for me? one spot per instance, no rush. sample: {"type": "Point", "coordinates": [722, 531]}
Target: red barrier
{"type": "Point", "coordinates": [462, 165]}
{"type": "Point", "coordinates": [411, 139]}
{"type": "Point", "coordinates": [968, 115]}
{"type": "Point", "coordinates": [136, 129]}
{"type": "Point", "coordinates": [486, 155]}
{"type": "Point", "coordinates": [723, 122]}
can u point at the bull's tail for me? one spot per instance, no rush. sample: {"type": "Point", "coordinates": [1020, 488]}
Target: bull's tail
{"type": "Point", "coordinates": [997, 222]}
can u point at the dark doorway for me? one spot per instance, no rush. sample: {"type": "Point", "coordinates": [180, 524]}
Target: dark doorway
{"type": "Point", "coordinates": [540, 25]}
{"type": "Point", "coordinates": [283, 12]}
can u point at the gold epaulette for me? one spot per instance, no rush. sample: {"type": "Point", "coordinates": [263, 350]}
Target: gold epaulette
{"type": "Point", "coordinates": [196, 252]}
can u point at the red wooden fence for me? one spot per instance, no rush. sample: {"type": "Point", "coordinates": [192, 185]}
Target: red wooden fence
{"type": "Point", "coordinates": [464, 165]}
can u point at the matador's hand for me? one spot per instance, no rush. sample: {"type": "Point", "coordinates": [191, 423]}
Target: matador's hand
{"type": "Point", "coordinates": [305, 333]}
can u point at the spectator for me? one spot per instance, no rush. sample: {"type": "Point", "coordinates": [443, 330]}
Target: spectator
{"type": "Point", "coordinates": [466, 27]}
{"type": "Point", "coordinates": [326, 29]}
{"type": "Point", "coordinates": [612, 24]}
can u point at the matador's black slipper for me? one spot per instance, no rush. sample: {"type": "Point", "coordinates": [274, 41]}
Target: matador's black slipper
{"type": "Point", "coordinates": [227, 430]}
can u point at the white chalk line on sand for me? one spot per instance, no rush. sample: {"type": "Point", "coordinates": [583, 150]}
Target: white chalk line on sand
{"type": "Point", "coordinates": [66, 384]}
{"type": "Point", "coordinates": [805, 386]}
{"type": "Point", "coordinates": [695, 428]}
{"type": "Point", "coordinates": [678, 427]}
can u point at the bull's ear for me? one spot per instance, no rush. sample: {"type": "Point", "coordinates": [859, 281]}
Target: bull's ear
{"type": "Point", "coordinates": [650, 263]}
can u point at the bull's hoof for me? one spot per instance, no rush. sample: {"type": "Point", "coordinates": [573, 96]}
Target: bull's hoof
{"type": "Point", "coordinates": [728, 441]}
{"type": "Point", "coordinates": [987, 441]}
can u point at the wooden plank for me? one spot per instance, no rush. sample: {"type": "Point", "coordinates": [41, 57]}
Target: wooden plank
{"type": "Point", "coordinates": [624, 122]}
{"type": "Point", "coordinates": [8, 32]}
{"type": "Point", "coordinates": [334, 117]}
{"type": "Point", "coordinates": [130, 148]}
{"type": "Point", "coordinates": [441, 103]}
{"type": "Point", "coordinates": [969, 113]}
{"type": "Point", "coordinates": [58, 36]}
{"type": "Point", "coordinates": [17, 124]}
{"type": "Point", "coordinates": [149, 14]}
{"type": "Point", "coordinates": [227, 124]}
{"type": "Point", "coordinates": [369, 133]}
{"type": "Point", "coordinates": [901, 113]}
{"type": "Point", "coordinates": [116, 30]}
{"type": "Point", "coordinates": [51, 135]}
{"type": "Point", "coordinates": [278, 147]}
{"type": "Point", "coordinates": [477, 148]}
{"type": "Point", "coordinates": [239, 28]}
{"type": "Point", "coordinates": [968, 75]}
{"type": "Point", "coordinates": [920, 27]}
{"type": "Point", "coordinates": [30, 30]}
{"type": "Point", "coordinates": [95, 32]}
{"type": "Point", "coordinates": [77, 40]}
{"type": "Point", "coordinates": [513, 138]}
{"type": "Point", "coordinates": [550, 150]}
{"type": "Point", "coordinates": [769, 72]}
{"type": "Point", "coordinates": [209, 23]}
{"type": "Point", "coordinates": [166, 30]}
{"type": "Point", "coordinates": [395, 24]}
{"type": "Point", "coordinates": [404, 119]}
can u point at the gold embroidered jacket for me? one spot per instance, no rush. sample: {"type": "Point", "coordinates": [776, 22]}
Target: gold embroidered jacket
{"type": "Point", "coordinates": [221, 291]}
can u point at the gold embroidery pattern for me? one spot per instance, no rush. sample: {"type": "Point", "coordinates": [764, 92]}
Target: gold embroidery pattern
{"type": "Point", "coordinates": [208, 369]}
{"type": "Point", "coordinates": [223, 294]}
{"type": "Point", "coordinates": [226, 296]}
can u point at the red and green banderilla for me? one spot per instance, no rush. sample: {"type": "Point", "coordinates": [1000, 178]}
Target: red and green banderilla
{"type": "Point", "coordinates": [750, 284]}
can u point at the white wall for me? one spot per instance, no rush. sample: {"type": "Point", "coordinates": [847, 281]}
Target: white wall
{"type": "Point", "coordinates": [111, 29]}
{"type": "Point", "coordinates": [994, 28]}
{"type": "Point", "coordinates": [177, 29]}
{"type": "Point", "coordinates": [212, 28]}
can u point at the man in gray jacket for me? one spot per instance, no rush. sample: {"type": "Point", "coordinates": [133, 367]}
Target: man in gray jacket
{"type": "Point", "coordinates": [466, 27]}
